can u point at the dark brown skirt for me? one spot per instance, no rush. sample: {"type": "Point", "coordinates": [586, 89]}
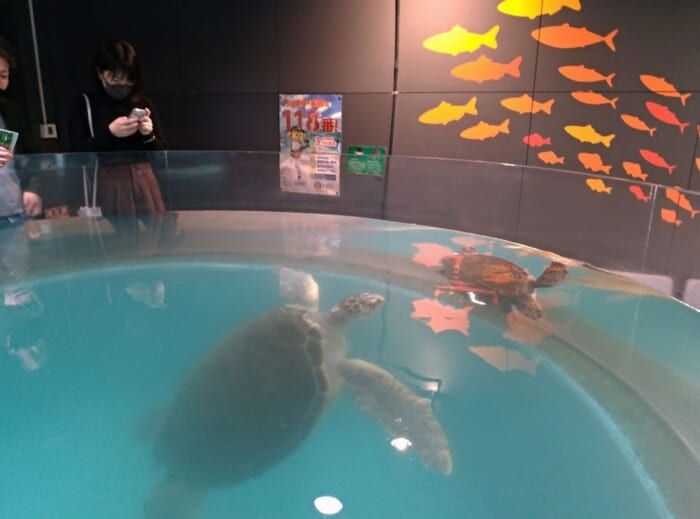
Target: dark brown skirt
{"type": "Point", "coordinates": [129, 189]}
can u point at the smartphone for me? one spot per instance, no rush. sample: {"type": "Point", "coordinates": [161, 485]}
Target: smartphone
{"type": "Point", "coordinates": [137, 113]}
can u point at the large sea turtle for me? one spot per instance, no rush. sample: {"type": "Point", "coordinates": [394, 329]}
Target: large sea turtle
{"type": "Point", "coordinates": [507, 283]}
{"type": "Point", "coordinates": [257, 395]}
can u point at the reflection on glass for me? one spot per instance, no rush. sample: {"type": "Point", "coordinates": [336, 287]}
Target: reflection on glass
{"type": "Point", "coordinates": [151, 293]}
{"type": "Point", "coordinates": [506, 359]}
{"type": "Point", "coordinates": [401, 444]}
{"type": "Point", "coordinates": [328, 505]}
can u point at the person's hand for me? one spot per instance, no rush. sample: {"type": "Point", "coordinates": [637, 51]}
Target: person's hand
{"type": "Point", "coordinates": [146, 123]}
{"type": "Point", "coordinates": [5, 156]}
{"type": "Point", "coordinates": [123, 127]}
{"type": "Point", "coordinates": [32, 203]}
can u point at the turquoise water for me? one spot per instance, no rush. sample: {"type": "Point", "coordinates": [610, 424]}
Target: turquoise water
{"type": "Point", "coordinates": [94, 352]}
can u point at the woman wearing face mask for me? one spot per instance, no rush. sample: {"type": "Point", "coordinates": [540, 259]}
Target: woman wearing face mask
{"type": "Point", "coordinates": [102, 121]}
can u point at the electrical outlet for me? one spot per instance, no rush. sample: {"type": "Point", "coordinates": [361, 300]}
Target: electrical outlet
{"type": "Point", "coordinates": [48, 131]}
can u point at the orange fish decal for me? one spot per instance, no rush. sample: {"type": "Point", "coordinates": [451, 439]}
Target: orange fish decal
{"type": "Point", "coordinates": [598, 186]}
{"type": "Point", "coordinates": [485, 69]}
{"type": "Point", "coordinates": [533, 8]}
{"type": "Point", "coordinates": [535, 140]}
{"type": "Point", "coordinates": [669, 216]}
{"type": "Point", "coordinates": [458, 40]}
{"type": "Point", "coordinates": [657, 160]}
{"type": "Point", "coordinates": [483, 130]}
{"type": "Point", "coordinates": [549, 157]}
{"type": "Point", "coordinates": [527, 105]}
{"type": "Point", "coordinates": [588, 134]}
{"type": "Point", "coordinates": [430, 254]}
{"type": "Point", "coordinates": [634, 170]}
{"type": "Point", "coordinates": [567, 37]}
{"type": "Point", "coordinates": [638, 193]}
{"type": "Point", "coordinates": [583, 74]}
{"type": "Point", "coordinates": [697, 163]}
{"type": "Point", "coordinates": [445, 112]}
{"type": "Point", "coordinates": [663, 114]}
{"type": "Point", "coordinates": [660, 86]}
{"type": "Point", "coordinates": [636, 123]}
{"type": "Point", "coordinates": [593, 162]}
{"type": "Point", "coordinates": [593, 98]}
{"type": "Point", "coordinates": [439, 317]}
{"type": "Point", "coordinates": [678, 198]}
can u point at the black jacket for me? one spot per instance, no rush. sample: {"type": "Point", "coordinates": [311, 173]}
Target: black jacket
{"type": "Point", "coordinates": [104, 111]}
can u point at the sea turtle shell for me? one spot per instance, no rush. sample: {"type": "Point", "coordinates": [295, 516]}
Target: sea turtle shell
{"type": "Point", "coordinates": [250, 402]}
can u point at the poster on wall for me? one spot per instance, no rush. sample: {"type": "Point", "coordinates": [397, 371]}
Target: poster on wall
{"type": "Point", "coordinates": [310, 143]}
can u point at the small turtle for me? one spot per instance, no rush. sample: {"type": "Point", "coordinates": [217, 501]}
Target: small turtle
{"type": "Point", "coordinates": [507, 283]}
{"type": "Point", "coordinates": [257, 395]}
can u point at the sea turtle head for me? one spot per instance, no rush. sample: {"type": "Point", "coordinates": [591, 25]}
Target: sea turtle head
{"type": "Point", "coordinates": [354, 307]}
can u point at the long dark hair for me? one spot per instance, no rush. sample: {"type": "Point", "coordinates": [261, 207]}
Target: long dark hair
{"type": "Point", "coordinates": [121, 58]}
{"type": "Point", "coordinates": [7, 52]}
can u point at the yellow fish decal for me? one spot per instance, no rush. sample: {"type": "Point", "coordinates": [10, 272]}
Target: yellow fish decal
{"type": "Point", "coordinates": [483, 130]}
{"type": "Point", "coordinates": [660, 86]}
{"type": "Point", "coordinates": [445, 112]}
{"type": "Point", "coordinates": [588, 134]}
{"type": "Point", "coordinates": [458, 40]}
{"type": "Point", "coordinates": [549, 157]}
{"type": "Point", "coordinates": [526, 105]}
{"type": "Point", "coordinates": [533, 8]}
{"type": "Point", "coordinates": [598, 185]}
{"type": "Point", "coordinates": [485, 69]}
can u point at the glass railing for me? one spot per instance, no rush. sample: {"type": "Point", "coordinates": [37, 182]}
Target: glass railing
{"type": "Point", "coordinates": [647, 231]}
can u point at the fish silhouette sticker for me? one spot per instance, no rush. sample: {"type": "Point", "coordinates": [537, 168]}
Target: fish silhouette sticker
{"type": "Point", "coordinates": [636, 123]}
{"type": "Point", "coordinates": [588, 134]}
{"type": "Point", "coordinates": [535, 140]}
{"type": "Point", "coordinates": [639, 193]}
{"type": "Point", "coordinates": [663, 114]}
{"type": "Point", "coordinates": [533, 8]}
{"type": "Point", "coordinates": [697, 163]}
{"type": "Point", "coordinates": [445, 112]}
{"type": "Point", "coordinates": [567, 37]}
{"type": "Point", "coordinates": [634, 170]}
{"type": "Point", "coordinates": [439, 317]}
{"type": "Point", "coordinates": [506, 359]}
{"type": "Point", "coordinates": [598, 186]}
{"type": "Point", "coordinates": [527, 105]}
{"type": "Point", "coordinates": [593, 162]}
{"type": "Point", "coordinates": [660, 86]}
{"type": "Point", "coordinates": [670, 216]}
{"type": "Point", "coordinates": [657, 160]}
{"type": "Point", "coordinates": [582, 74]}
{"type": "Point", "coordinates": [549, 157]}
{"type": "Point", "coordinates": [589, 97]}
{"type": "Point", "coordinates": [458, 40]}
{"type": "Point", "coordinates": [678, 198]}
{"type": "Point", "coordinates": [485, 69]}
{"type": "Point", "coordinates": [484, 130]}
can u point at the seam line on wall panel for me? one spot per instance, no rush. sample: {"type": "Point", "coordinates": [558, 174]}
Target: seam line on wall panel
{"type": "Point", "coordinates": [394, 95]}
{"type": "Point", "coordinates": [529, 131]}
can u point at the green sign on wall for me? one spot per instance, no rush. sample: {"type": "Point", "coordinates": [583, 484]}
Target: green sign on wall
{"type": "Point", "coordinates": [366, 160]}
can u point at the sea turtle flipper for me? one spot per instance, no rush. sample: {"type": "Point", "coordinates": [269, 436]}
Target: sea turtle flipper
{"type": "Point", "coordinates": [553, 274]}
{"type": "Point", "coordinates": [379, 394]}
{"type": "Point", "coordinates": [173, 498]}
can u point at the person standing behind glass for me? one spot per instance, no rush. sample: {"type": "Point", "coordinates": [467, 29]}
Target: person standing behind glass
{"type": "Point", "coordinates": [103, 121]}
{"type": "Point", "coordinates": [17, 199]}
